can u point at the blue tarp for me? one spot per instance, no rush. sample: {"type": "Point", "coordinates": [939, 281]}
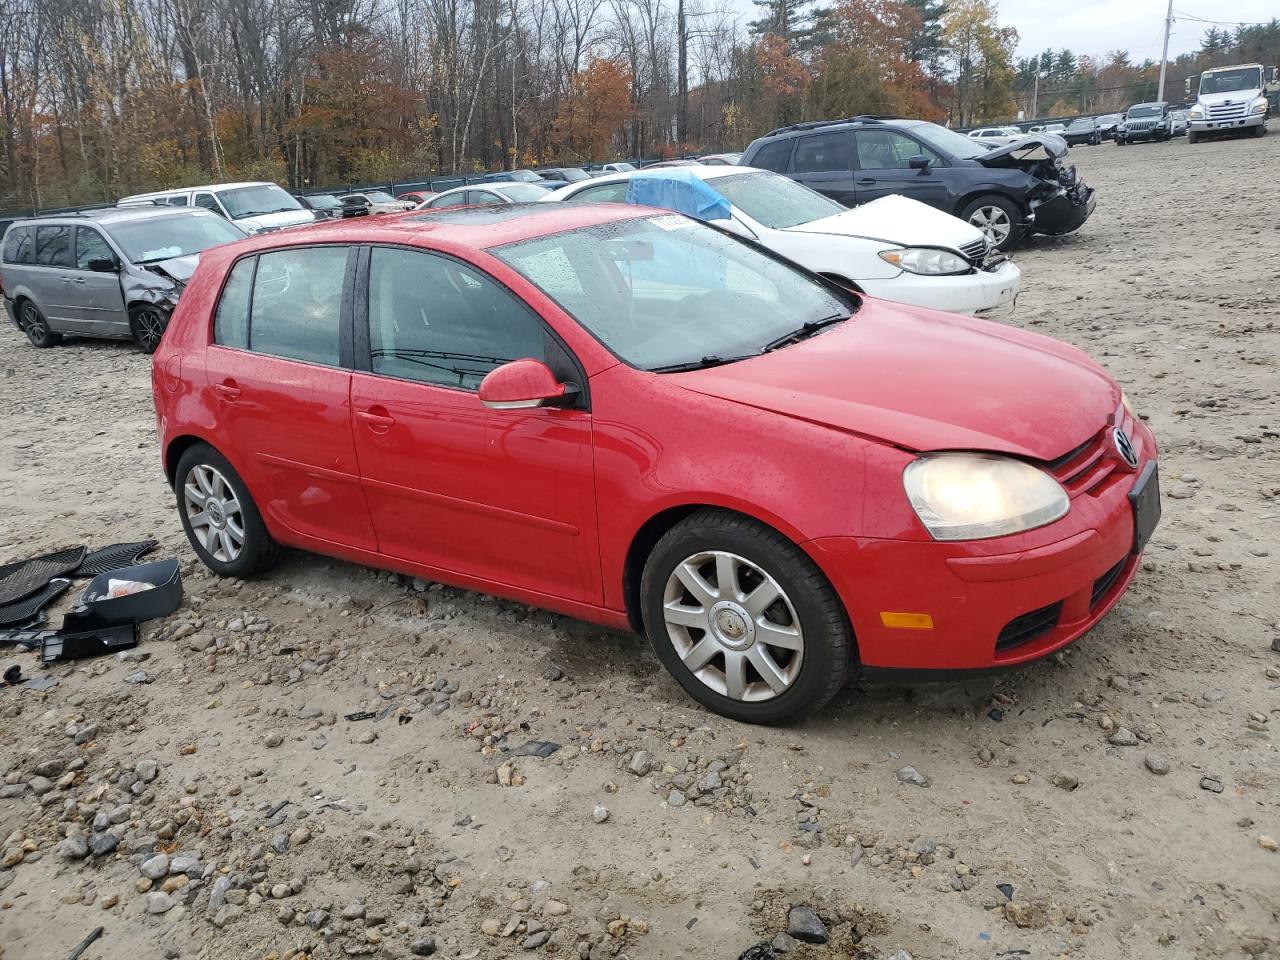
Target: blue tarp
{"type": "Point", "coordinates": [675, 188]}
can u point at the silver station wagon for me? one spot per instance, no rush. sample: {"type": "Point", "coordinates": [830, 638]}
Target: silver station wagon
{"type": "Point", "coordinates": [114, 272]}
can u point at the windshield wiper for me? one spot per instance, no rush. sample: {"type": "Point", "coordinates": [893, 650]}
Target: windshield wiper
{"type": "Point", "coordinates": [709, 361]}
{"type": "Point", "coordinates": [807, 330]}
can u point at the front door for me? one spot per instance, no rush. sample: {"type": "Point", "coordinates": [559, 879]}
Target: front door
{"type": "Point", "coordinates": [884, 168]}
{"type": "Point", "coordinates": [278, 378]}
{"type": "Point", "coordinates": [504, 496]}
{"type": "Point", "coordinates": [99, 303]}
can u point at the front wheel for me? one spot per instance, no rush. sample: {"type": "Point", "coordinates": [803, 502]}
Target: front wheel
{"type": "Point", "coordinates": [219, 516]}
{"type": "Point", "coordinates": [36, 326]}
{"type": "Point", "coordinates": [744, 620]}
{"type": "Point", "coordinates": [1260, 131]}
{"type": "Point", "coordinates": [996, 217]}
{"type": "Point", "coordinates": [147, 325]}
{"type": "Point", "coordinates": [1192, 137]}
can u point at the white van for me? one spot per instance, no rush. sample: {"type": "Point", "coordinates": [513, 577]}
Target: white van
{"type": "Point", "coordinates": [253, 207]}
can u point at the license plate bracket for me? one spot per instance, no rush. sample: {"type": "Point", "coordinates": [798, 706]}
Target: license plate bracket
{"type": "Point", "coordinates": [1145, 500]}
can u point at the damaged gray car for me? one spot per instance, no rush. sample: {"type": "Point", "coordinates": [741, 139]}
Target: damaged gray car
{"type": "Point", "coordinates": [114, 273]}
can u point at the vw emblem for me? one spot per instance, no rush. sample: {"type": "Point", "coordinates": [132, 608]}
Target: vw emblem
{"type": "Point", "coordinates": [1124, 447]}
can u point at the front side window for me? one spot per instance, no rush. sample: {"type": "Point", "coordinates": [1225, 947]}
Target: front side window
{"type": "Point", "coordinates": [824, 152]}
{"type": "Point", "coordinates": [19, 245]}
{"type": "Point", "coordinates": [773, 156]}
{"type": "Point", "coordinates": [523, 192]}
{"type": "Point", "coordinates": [889, 150]}
{"type": "Point", "coordinates": [449, 200]}
{"type": "Point", "coordinates": [484, 198]}
{"type": "Point", "coordinates": [605, 193]}
{"type": "Point", "coordinates": [207, 201]}
{"type": "Point", "coordinates": [53, 246]}
{"type": "Point", "coordinates": [152, 239]}
{"type": "Point", "coordinates": [90, 246]}
{"type": "Point", "coordinates": [296, 307]}
{"type": "Point", "coordinates": [437, 321]}
{"type": "Point", "coordinates": [774, 201]}
{"type": "Point", "coordinates": [664, 290]}
{"type": "Point", "coordinates": [256, 201]}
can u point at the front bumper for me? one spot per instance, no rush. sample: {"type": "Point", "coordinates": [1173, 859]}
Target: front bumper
{"type": "Point", "coordinates": [1066, 212]}
{"type": "Point", "coordinates": [994, 603]}
{"type": "Point", "coordinates": [1219, 126]}
{"type": "Point", "coordinates": [970, 293]}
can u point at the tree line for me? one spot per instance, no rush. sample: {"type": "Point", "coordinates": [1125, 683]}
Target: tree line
{"type": "Point", "coordinates": [100, 98]}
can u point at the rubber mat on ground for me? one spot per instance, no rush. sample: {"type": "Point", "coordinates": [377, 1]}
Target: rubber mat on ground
{"type": "Point", "coordinates": [25, 610]}
{"type": "Point", "coordinates": [113, 558]}
{"type": "Point", "coordinates": [22, 579]}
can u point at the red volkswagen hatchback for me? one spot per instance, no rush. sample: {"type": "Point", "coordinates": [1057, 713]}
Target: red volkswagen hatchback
{"type": "Point", "coordinates": [633, 418]}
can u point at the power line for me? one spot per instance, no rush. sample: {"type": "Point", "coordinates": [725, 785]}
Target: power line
{"type": "Point", "coordinates": [1223, 23]}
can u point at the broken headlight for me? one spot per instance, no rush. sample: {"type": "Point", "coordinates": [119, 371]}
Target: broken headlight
{"type": "Point", "coordinates": [926, 261]}
{"type": "Point", "coordinates": [972, 496]}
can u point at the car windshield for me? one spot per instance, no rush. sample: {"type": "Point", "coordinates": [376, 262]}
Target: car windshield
{"type": "Point", "coordinates": [151, 239]}
{"type": "Point", "coordinates": [522, 192]}
{"type": "Point", "coordinates": [1145, 110]}
{"type": "Point", "coordinates": [1231, 81]}
{"type": "Point", "coordinates": [664, 291]}
{"type": "Point", "coordinates": [379, 196]}
{"type": "Point", "coordinates": [574, 174]}
{"type": "Point", "coordinates": [256, 200]}
{"type": "Point", "coordinates": [622, 167]}
{"type": "Point", "coordinates": [774, 201]}
{"type": "Point", "coordinates": [323, 201]}
{"type": "Point", "coordinates": [948, 141]}
{"type": "Point", "coordinates": [1081, 125]}
{"type": "Point", "coordinates": [520, 176]}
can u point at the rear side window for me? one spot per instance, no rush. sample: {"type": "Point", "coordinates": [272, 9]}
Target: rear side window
{"type": "Point", "coordinates": [824, 152]}
{"type": "Point", "coordinates": [19, 246]}
{"type": "Point", "coordinates": [296, 307]}
{"type": "Point", "coordinates": [53, 246]}
{"type": "Point", "coordinates": [773, 156]}
{"type": "Point", "coordinates": [178, 201]}
{"type": "Point", "coordinates": [605, 193]}
{"type": "Point", "coordinates": [231, 322]}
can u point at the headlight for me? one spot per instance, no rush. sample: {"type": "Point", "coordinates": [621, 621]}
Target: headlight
{"type": "Point", "coordinates": [1259, 106]}
{"type": "Point", "coordinates": [1196, 115]}
{"type": "Point", "coordinates": [1124, 399]}
{"type": "Point", "coordinates": [926, 261]}
{"type": "Point", "coordinates": [971, 496]}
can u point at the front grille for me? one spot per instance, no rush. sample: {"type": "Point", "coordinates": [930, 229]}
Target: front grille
{"type": "Point", "coordinates": [1103, 584]}
{"type": "Point", "coordinates": [976, 252]}
{"type": "Point", "coordinates": [1028, 627]}
{"type": "Point", "coordinates": [1082, 469]}
{"type": "Point", "coordinates": [1140, 126]}
{"type": "Point", "coordinates": [1223, 111]}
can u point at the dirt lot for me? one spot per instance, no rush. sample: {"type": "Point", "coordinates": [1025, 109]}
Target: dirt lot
{"type": "Point", "coordinates": [422, 831]}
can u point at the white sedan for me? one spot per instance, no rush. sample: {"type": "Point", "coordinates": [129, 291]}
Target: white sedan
{"type": "Point", "coordinates": [894, 247]}
{"type": "Point", "coordinates": [481, 194]}
{"type": "Point", "coordinates": [375, 201]}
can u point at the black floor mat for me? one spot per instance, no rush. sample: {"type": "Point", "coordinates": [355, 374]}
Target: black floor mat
{"type": "Point", "coordinates": [113, 558]}
{"type": "Point", "coordinates": [22, 611]}
{"type": "Point", "coordinates": [25, 577]}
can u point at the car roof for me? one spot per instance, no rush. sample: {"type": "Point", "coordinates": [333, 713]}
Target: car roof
{"type": "Point", "coordinates": [494, 186]}
{"type": "Point", "coordinates": [210, 187]}
{"type": "Point", "coordinates": [860, 121]}
{"type": "Point", "coordinates": [700, 171]}
{"type": "Point", "coordinates": [109, 215]}
{"type": "Point", "coordinates": [472, 228]}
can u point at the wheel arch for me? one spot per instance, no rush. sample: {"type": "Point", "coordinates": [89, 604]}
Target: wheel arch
{"type": "Point", "coordinates": [176, 446]}
{"type": "Point", "coordinates": [989, 191]}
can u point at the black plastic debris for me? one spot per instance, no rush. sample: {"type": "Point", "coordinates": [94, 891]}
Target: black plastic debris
{"type": "Point", "coordinates": [1006, 889]}
{"type": "Point", "coordinates": [536, 748]}
{"type": "Point", "coordinates": [758, 951]}
{"type": "Point", "coordinates": [360, 715]}
{"type": "Point", "coordinates": [41, 684]}
{"type": "Point", "coordinates": [22, 578]}
{"type": "Point", "coordinates": [112, 558]}
{"type": "Point", "coordinates": [13, 675]}
{"type": "Point", "coordinates": [86, 943]}
{"type": "Point", "coordinates": [29, 608]}
{"type": "Point", "coordinates": [96, 609]}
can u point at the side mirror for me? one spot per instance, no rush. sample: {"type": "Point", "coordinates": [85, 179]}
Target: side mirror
{"type": "Point", "coordinates": [919, 162]}
{"type": "Point", "coordinates": [735, 227]}
{"type": "Point", "coordinates": [522, 385]}
{"type": "Point", "coordinates": [103, 265]}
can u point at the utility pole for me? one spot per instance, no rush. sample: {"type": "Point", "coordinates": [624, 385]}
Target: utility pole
{"type": "Point", "coordinates": [1035, 93]}
{"type": "Point", "coordinates": [1164, 56]}
{"type": "Point", "coordinates": [682, 79]}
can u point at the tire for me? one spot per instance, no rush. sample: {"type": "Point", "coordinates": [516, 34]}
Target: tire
{"type": "Point", "coordinates": [205, 471]}
{"type": "Point", "coordinates": [147, 325]}
{"type": "Point", "coordinates": [36, 327]}
{"type": "Point", "coordinates": [813, 657]}
{"type": "Point", "coordinates": [997, 217]}
{"type": "Point", "coordinates": [1191, 137]}
{"type": "Point", "coordinates": [1260, 131]}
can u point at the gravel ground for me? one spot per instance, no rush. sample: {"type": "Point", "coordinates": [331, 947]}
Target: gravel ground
{"type": "Point", "coordinates": [1118, 800]}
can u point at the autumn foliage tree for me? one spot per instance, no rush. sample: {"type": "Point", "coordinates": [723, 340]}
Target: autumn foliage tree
{"type": "Point", "coordinates": [594, 112]}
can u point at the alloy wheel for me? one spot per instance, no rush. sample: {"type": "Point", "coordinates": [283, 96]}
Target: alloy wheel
{"type": "Point", "coordinates": [33, 323]}
{"type": "Point", "coordinates": [733, 626]}
{"type": "Point", "coordinates": [214, 512]}
{"type": "Point", "coordinates": [993, 222]}
{"type": "Point", "coordinates": [150, 328]}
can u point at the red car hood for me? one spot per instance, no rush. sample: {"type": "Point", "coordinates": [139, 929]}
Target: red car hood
{"type": "Point", "coordinates": [926, 380]}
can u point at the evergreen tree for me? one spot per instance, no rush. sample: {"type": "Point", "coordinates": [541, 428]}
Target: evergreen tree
{"type": "Point", "coordinates": [926, 46]}
{"type": "Point", "coordinates": [799, 22]}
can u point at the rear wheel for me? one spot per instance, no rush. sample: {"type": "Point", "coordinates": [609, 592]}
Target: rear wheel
{"type": "Point", "coordinates": [744, 620]}
{"type": "Point", "coordinates": [219, 516]}
{"type": "Point", "coordinates": [36, 326]}
{"type": "Point", "coordinates": [147, 325]}
{"type": "Point", "coordinates": [996, 217]}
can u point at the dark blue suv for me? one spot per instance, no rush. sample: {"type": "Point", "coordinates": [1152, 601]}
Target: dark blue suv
{"type": "Point", "coordinates": [1028, 186]}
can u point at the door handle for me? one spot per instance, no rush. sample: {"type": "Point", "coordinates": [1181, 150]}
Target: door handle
{"type": "Point", "coordinates": [227, 390]}
{"type": "Point", "coordinates": [377, 418]}
{"type": "Point", "coordinates": [77, 279]}
{"type": "Point", "coordinates": [866, 181]}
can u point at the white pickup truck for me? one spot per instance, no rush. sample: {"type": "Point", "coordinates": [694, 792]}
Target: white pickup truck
{"type": "Point", "coordinates": [1231, 99]}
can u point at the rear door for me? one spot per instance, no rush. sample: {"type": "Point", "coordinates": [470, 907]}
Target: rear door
{"type": "Point", "coordinates": [100, 302]}
{"type": "Point", "coordinates": [51, 280]}
{"type": "Point", "coordinates": [279, 382]}
{"type": "Point", "coordinates": [503, 496]}
{"type": "Point", "coordinates": [824, 162]}
{"type": "Point", "coordinates": [883, 159]}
